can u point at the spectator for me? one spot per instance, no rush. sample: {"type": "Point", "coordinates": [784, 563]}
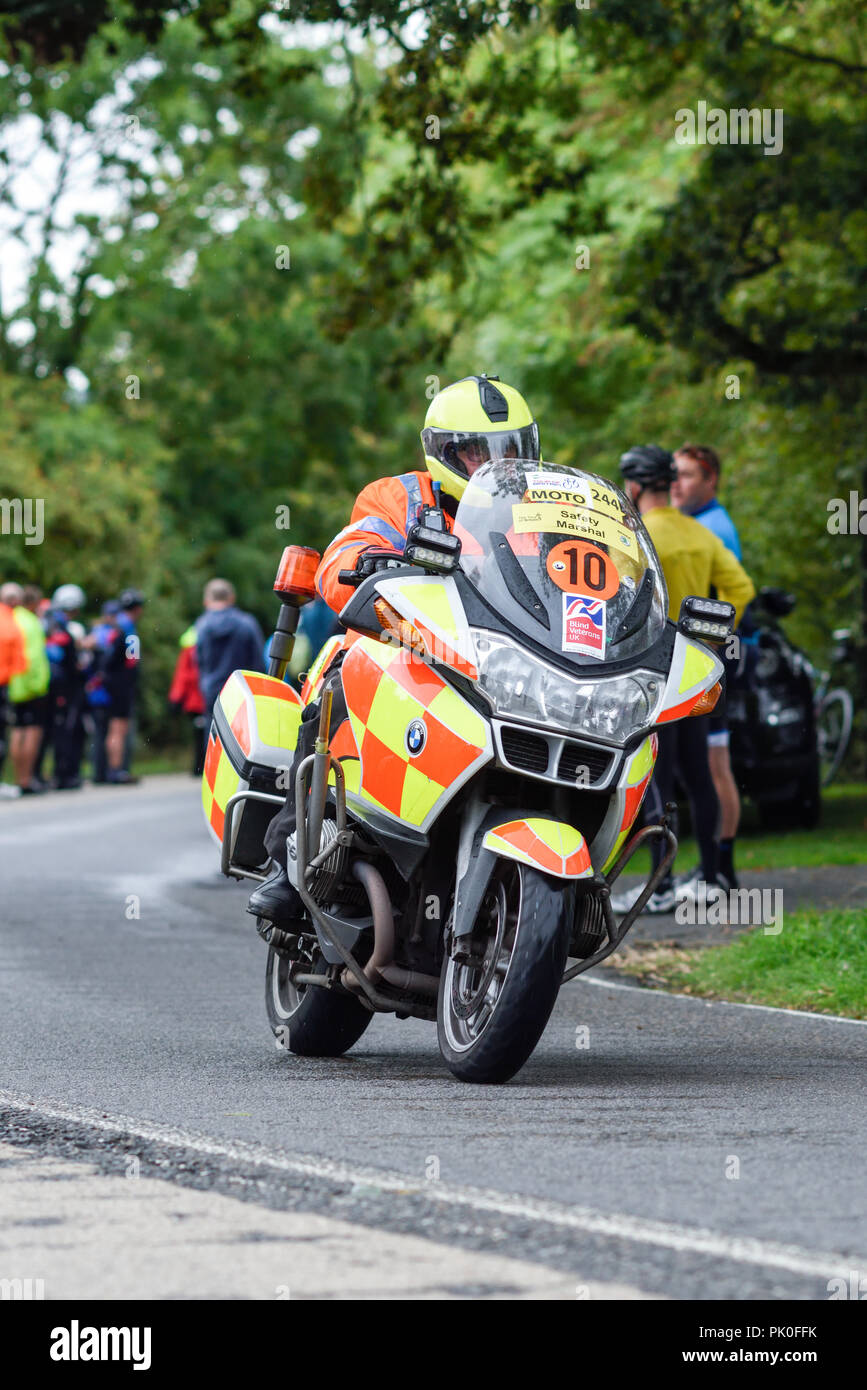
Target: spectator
{"type": "Point", "coordinates": [227, 640]}
{"type": "Point", "coordinates": [43, 613]}
{"type": "Point", "coordinates": [66, 687]}
{"type": "Point", "coordinates": [13, 662]}
{"type": "Point", "coordinates": [694, 492]}
{"type": "Point", "coordinates": [185, 694]}
{"type": "Point", "coordinates": [102, 637]}
{"type": "Point", "coordinates": [692, 561]}
{"type": "Point", "coordinates": [28, 692]}
{"type": "Point", "coordinates": [120, 674]}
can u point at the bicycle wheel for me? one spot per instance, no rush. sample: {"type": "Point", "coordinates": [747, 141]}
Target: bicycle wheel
{"type": "Point", "coordinates": [834, 729]}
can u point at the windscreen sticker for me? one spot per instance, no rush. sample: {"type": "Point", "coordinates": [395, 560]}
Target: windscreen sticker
{"type": "Point", "coordinates": [579, 566]}
{"type": "Point", "coordinates": [567, 497]}
{"type": "Point", "coordinates": [569, 490]}
{"type": "Point", "coordinates": [584, 625]}
{"type": "Point", "coordinates": [570, 482]}
{"type": "Point", "coordinates": [575, 521]}
{"type": "Point", "coordinates": [607, 502]}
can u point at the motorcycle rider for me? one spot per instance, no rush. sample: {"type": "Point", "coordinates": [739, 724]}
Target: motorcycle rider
{"type": "Point", "coordinates": [693, 559]}
{"type": "Point", "coordinates": [468, 423]}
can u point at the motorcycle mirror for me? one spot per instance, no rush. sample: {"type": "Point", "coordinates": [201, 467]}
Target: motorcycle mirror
{"type": "Point", "coordinates": [777, 602]}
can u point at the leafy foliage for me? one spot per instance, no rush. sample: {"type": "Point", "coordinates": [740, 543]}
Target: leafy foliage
{"type": "Point", "coordinates": [296, 220]}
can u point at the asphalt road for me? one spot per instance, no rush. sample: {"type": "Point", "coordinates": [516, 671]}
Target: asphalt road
{"type": "Point", "coordinates": [654, 1146]}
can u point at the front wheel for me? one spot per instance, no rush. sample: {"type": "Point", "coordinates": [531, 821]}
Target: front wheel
{"type": "Point", "coordinates": [307, 1019]}
{"type": "Point", "coordinates": [492, 1011]}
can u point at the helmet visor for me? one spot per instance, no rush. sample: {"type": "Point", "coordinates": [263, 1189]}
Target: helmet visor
{"type": "Point", "coordinates": [463, 452]}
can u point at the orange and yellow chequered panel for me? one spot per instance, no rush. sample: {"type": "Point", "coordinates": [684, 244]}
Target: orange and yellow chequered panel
{"type": "Point", "coordinates": [272, 714]}
{"type": "Point", "coordinates": [633, 784]}
{"type": "Point", "coordinates": [219, 782]}
{"type": "Point", "coordinates": [695, 665]}
{"type": "Point", "coordinates": [319, 669]}
{"type": "Point", "coordinates": [549, 845]}
{"type": "Point", "coordinates": [386, 687]}
{"type": "Point", "coordinates": [264, 714]}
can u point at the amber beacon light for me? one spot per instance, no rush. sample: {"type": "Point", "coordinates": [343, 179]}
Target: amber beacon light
{"type": "Point", "coordinates": [295, 585]}
{"type": "Point", "coordinates": [296, 573]}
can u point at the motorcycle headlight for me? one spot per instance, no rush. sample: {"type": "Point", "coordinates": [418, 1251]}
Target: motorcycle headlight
{"type": "Point", "coordinates": [775, 711]}
{"type": "Point", "coordinates": [519, 687]}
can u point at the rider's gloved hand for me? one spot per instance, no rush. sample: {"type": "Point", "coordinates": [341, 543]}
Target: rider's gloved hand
{"type": "Point", "coordinates": [369, 562]}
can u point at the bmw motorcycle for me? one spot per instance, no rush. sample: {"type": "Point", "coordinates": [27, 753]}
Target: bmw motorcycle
{"type": "Point", "coordinates": [460, 828]}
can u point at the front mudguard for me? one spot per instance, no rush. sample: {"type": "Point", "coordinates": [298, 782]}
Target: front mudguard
{"type": "Point", "coordinates": [552, 847]}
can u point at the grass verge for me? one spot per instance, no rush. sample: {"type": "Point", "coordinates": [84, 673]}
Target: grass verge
{"type": "Point", "coordinates": [818, 962]}
{"type": "Point", "coordinates": [840, 838]}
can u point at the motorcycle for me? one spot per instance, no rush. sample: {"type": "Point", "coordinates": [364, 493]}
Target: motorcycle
{"type": "Point", "coordinates": [785, 743]}
{"type": "Point", "coordinates": [460, 830]}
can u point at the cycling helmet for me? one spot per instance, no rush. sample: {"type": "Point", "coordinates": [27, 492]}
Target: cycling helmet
{"type": "Point", "coordinates": [68, 598]}
{"type": "Point", "coordinates": [132, 598]}
{"type": "Point", "coordinates": [472, 421]}
{"type": "Point", "coordinates": [649, 465]}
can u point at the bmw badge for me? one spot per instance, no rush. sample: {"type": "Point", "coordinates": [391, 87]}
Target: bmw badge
{"type": "Point", "coordinates": [416, 737]}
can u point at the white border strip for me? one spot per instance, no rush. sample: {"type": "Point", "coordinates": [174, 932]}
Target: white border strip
{"type": "Point", "coordinates": [613, 1226]}
{"type": "Point", "coordinates": [724, 1003]}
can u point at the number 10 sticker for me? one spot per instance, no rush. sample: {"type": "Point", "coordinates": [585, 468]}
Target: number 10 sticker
{"type": "Point", "coordinates": [578, 567]}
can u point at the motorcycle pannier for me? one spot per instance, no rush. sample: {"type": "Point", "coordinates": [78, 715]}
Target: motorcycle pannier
{"type": "Point", "coordinates": [251, 741]}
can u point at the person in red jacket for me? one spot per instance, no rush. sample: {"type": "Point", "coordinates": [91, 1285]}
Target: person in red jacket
{"type": "Point", "coordinates": [185, 693]}
{"type": "Point", "coordinates": [467, 424]}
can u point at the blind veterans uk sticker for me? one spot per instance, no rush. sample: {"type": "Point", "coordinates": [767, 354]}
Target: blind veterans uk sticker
{"type": "Point", "coordinates": [583, 625]}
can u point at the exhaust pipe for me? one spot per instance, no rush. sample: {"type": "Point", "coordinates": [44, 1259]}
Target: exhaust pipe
{"type": "Point", "coordinates": [381, 964]}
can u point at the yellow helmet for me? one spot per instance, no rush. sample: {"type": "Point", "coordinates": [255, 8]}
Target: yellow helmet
{"type": "Point", "coordinates": [474, 420]}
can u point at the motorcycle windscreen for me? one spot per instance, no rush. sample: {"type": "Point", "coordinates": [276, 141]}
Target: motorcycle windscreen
{"type": "Point", "coordinates": [563, 555]}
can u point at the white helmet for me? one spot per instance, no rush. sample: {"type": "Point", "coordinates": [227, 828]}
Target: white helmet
{"type": "Point", "coordinates": [68, 597]}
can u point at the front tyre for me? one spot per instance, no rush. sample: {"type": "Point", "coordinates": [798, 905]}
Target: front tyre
{"type": "Point", "coordinates": [492, 1011]}
{"type": "Point", "coordinates": [307, 1019]}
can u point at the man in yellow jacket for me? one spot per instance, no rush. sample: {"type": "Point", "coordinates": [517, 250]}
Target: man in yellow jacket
{"type": "Point", "coordinates": [693, 561]}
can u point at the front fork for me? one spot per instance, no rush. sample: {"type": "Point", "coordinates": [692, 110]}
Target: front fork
{"type": "Point", "coordinates": [602, 887]}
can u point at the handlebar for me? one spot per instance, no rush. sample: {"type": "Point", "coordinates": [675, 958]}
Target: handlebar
{"type": "Point", "coordinates": [369, 561]}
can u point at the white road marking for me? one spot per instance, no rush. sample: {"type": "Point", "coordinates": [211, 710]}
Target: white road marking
{"type": "Point", "coordinates": [719, 1003]}
{"type": "Point", "coordinates": [618, 1226]}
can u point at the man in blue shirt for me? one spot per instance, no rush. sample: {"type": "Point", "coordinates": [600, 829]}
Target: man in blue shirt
{"type": "Point", "coordinates": [227, 640]}
{"type": "Point", "coordinates": [694, 492]}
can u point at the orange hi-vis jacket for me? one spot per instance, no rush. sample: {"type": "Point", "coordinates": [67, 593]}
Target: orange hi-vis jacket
{"type": "Point", "coordinates": [383, 513]}
{"type": "Point", "coordinates": [13, 658]}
